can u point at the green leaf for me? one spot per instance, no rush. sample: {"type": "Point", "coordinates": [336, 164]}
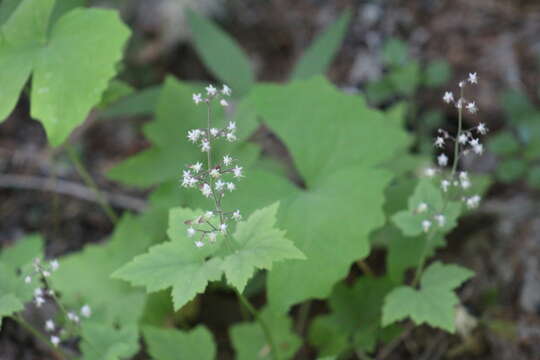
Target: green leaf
{"type": "Point", "coordinates": [23, 252]}
{"type": "Point", "coordinates": [511, 170]}
{"type": "Point", "coordinates": [116, 91]}
{"type": "Point", "coordinates": [221, 54]}
{"type": "Point", "coordinates": [405, 79]}
{"type": "Point", "coordinates": [179, 345]}
{"type": "Point", "coordinates": [260, 244]}
{"type": "Point", "coordinates": [336, 143]}
{"type": "Point", "coordinates": [9, 304]}
{"type": "Point", "coordinates": [410, 221]}
{"type": "Point", "coordinates": [504, 143]}
{"type": "Point", "coordinates": [250, 343]}
{"type": "Point", "coordinates": [319, 55]}
{"type": "Point", "coordinates": [69, 73]}
{"type": "Point", "coordinates": [437, 73]}
{"type": "Point", "coordinates": [395, 52]}
{"type": "Point", "coordinates": [533, 178]}
{"type": "Point", "coordinates": [139, 103]}
{"type": "Point", "coordinates": [103, 342]}
{"type": "Point", "coordinates": [433, 303]}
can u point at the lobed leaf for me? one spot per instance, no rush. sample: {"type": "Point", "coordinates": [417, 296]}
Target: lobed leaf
{"type": "Point", "coordinates": [165, 344]}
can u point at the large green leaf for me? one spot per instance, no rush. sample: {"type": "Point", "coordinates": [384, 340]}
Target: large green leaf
{"type": "Point", "coordinates": [71, 66]}
{"type": "Point", "coordinates": [250, 342]}
{"type": "Point", "coordinates": [433, 303]}
{"type": "Point", "coordinates": [318, 56]}
{"type": "Point", "coordinates": [165, 344]}
{"type": "Point", "coordinates": [336, 143]}
{"type": "Point", "coordinates": [103, 342]}
{"type": "Point", "coordinates": [9, 304]}
{"type": "Point", "coordinates": [221, 54]}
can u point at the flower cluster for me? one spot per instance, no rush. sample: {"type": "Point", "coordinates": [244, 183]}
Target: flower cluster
{"type": "Point", "coordinates": [213, 180]}
{"type": "Point", "coordinates": [43, 293]}
{"type": "Point", "coordinates": [465, 142]}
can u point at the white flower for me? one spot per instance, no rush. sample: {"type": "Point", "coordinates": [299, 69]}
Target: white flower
{"type": "Point", "coordinates": [211, 90]}
{"type": "Point", "coordinates": [439, 142]}
{"type": "Point", "coordinates": [208, 215]}
{"type": "Point", "coordinates": [472, 107]}
{"type": "Point", "coordinates": [197, 167]}
{"type": "Point", "coordinates": [223, 228]}
{"type": "Point", "coordinates": [27, 279]}
{"type": "Point", "coordinates": [463, 175]}
{"type": "Point", "coordinates": [206, 190]}
{"type": "Point", "coordinates": [444, 185]}
{"type": "Point", "coordinates": [237, 171]}
{"type": "Point", "coordinates": [38, 292]}
{"type": "Point", "coordinates": [465, 184]}
{"type": "Point", "coordinates": [478, 149]}
{"type": "Point", "coordinates": [54, 265]}
{"type": "Point", "coordinates": [199, 244]}
{"type": "Point", "coordinates": [214, 132]}
{"type": "Point", "coordinates": [226, 90]}
{"type": "Point", "coordinates": [459, 104]}
{"type": "Point", "coordinates": [231, 186]}
{"type": "Point", "coordinates": [442, 160]}
{"type": "Point", "coordinates": [230, 137]}
{"type": "Point", "coordinates": [190, 232]}
{"type": "Point", "coordinates": [39, 301]}
{"type": "Point", "coordinates": [193, 135]}
{"type": "Point", "coordinates": [46, 273]}
{"type": "Point", "coordinates": [441, 220]}
{"type": "Point", "coordinates": [49, 325]}
{"type": "Point", "coordinates": [214, 173]}
{"type": "Point", "coordinates": [421, 207]}
{"type": "Point", "coordinates": [482, 129]}
{"type": "Point", "coordinates": [463, 138]}
{"type": "Point", "coordinates": [73, 317]}
{"type": "Point", "coordinates": [197, 98]}
{"type": "Point", "coordinates": [448, 97]}
{"type": "Point", "coordinates": [55, 340]}
{"type": "Point", "coordinates": [223, 102]}
{"type": "Point", "coordinates": [236, 215]}
{"type": "Point", "coordinates": [86, 311]}
{"type": "Point", "coordinates": [473, 201]}
{"type": "Point", "coordinates": [50, 292]}
{"type": "Point", "coordinates": [231, 126]}
{"type": "Point", "coordinates": [205, 146]}
{"type": "Point", "coordinates": [227, 160]}
{"type": "Point", "coordinates": [219, 185]}
{"type": "Point", "coordinates": [473, 78]}
{"type": "Point", "coordinates": [429, 172]}
{"type": "Point", "coordinates": [212, 236]}
{"type": "Point", "coordinates": [426, 224]}
{"type": "Point", "coordinates": [461, 84]}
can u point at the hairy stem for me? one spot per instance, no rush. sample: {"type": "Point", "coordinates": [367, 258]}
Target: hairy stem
{"type": "Point", "coordinates": [89, 181]}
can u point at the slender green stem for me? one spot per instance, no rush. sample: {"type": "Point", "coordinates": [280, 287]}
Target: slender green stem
{"type": "Point", "coordinates": [431, 235]}
{"type": "Point", "coordinates": [262, 323]}
{"type": "Point", "coordinates": [56, 350]}
{"type": "Point", "coordinates": [89, 181]}
{"type": "Point", "coordinates": [303, 314]}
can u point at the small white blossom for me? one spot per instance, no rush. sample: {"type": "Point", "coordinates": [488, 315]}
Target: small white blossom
{"type": "Point", "coordinates": [39, 301]}
{"type": "Point", "coordinates": [439, 142]}
{"type": "Point", "coordinates": [442, 160]}
{"type": "Point", "coordinates": [223, 102]}
{"type": "Point", "coordinates": [465, 184]}
{"type": "Point", "coordinates": [38, 292]}
{"type": "Point", "coordinates": [212, 236]}
{"type": "Point", "coordinates": [219, 185]}
{"type": "Point", "coordinates": [473, 78]}
{"type": "Point", "coordinates": [444, 185]}
{"type": "Point", "coordinates": [463, 175]}
{"type": "Point", "coordinates": [426, 224]}
{"type": "Point", "coordinates": [191, 231]}
{"type": "Point", "coordinates": [205, 146]}
{"type": "Point", "coordinates": [208, 215]}
{"type": "Point", "coordinates": [197, 98]}
{"type": "Point", "coordinates": [441, 219]}
{"type": "Point", "coordinates": [226, 90]}
{"type": "Point", "coordinates": [482, 129]}
{"type": "Point", "coordinates": [50, 292]}
{"type": "Point", "coordinates": [463, 138]}
{"type": "Point", "coordinates": [27, 279]}
{"type": "Point", "coordinates": [199, 244]}
{"type": "Point", "coordinates": [223, 228]}
{"type": "Point", "coordinates": [231, 186]}
{"type": "Point", "coordinates": [459, 104]}
{"type": "Point", "coordinates": [473, 201]}
{"type": "Point", "coordinates": [227, 160]}
{"type": "Point", "coordinates": [215, 173]}
{"type": "Point", "coordinates": [237, 171]}
{"type": "Point", "coordinates": [471, 107]}
{"type": "Point", "coordinates": [461, 84]}
{"type": "Point", "coordinates": [231, 126]}
{"type": "Point", "coordinates": [421, 207]}
{"type": "Point", "coordinates": [236, 215]}
{"type": "Point", "coordinates": [55, 340]}
{"type": "Point", "coordinates": [430, 172]}
{"type": "Point", "coordinates": [478, 149]}
{"type": "Point", "coordinates": [193, 135]}
{"type": "Point", "coordinates": [54, 265]}
{"type": "Point", "coordinates": [214, 132]}
{"type": "Point", "coordinates": [46, 273]}
{"type": "Point", "coordinates": [197, 167]}
{"type": "Point", "coordinates": [448, 97]}
{"type": "Point", "coordinates": [73, 317]}
{"type": "Point", "coordinates": [230, 137]}
{"type": "Point", "coordinates": [86, 311]}
{"type": "Point", "coordinates": [49, 325]}
{"type": "Point", "coordinates": [206, 190]}
{"type": "Point", "coordinates": [211, 90]}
